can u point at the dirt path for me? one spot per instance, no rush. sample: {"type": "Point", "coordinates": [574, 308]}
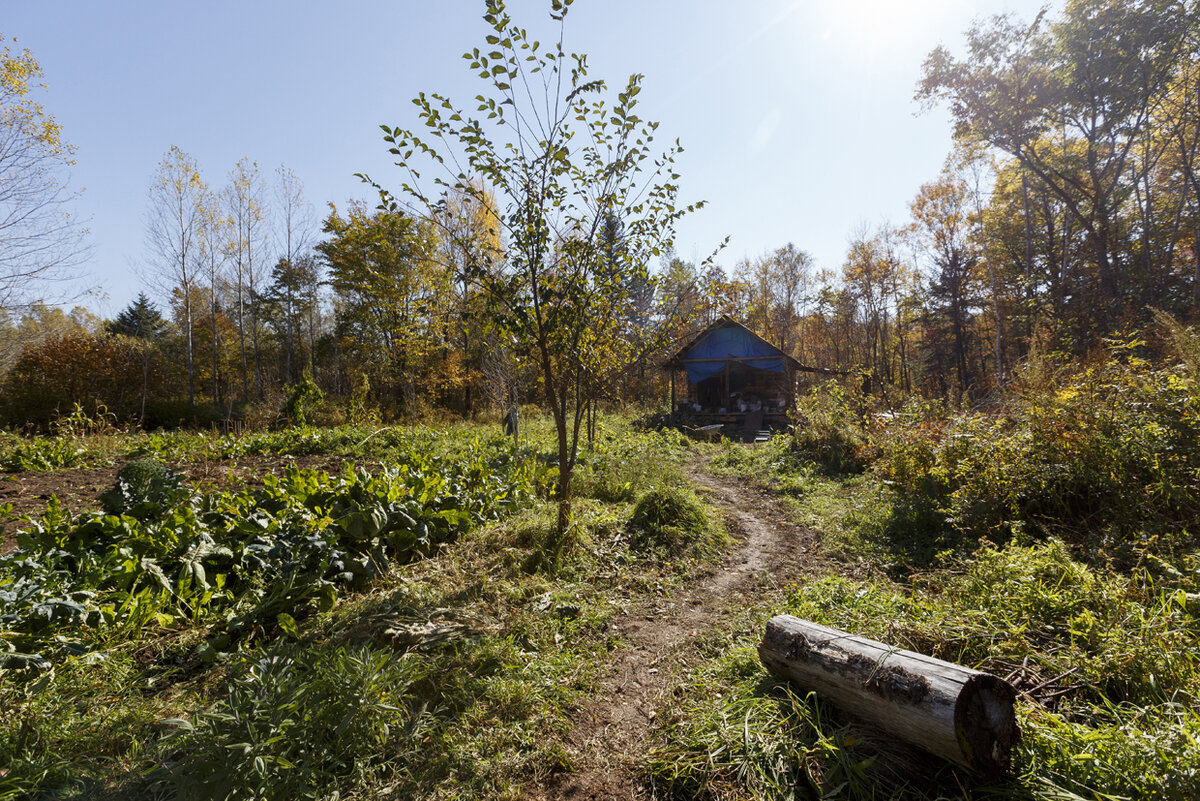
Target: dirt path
{"type": "Point", "coordinates": [612, 734]}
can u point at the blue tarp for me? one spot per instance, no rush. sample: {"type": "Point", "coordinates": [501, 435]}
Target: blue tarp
{"type": "Point", "coordinates": [730, 343]}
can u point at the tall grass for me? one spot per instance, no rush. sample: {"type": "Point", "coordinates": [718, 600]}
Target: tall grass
{"type": "Point", "coordinates": [302, 722]}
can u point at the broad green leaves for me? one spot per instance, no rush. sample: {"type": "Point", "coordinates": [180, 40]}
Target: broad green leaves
{"type": "Point", "coordinates": [244, 560]}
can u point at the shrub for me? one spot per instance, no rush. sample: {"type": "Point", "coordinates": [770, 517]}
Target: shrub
{"type": "Point", "coordinates": [301, 398]}
{"type": "Point", "coordinates": [1031, 607]}
{"type": "Point", "coordinates": [829, 431]}
{"type": "Point", "coordinates": [675, 520]}
{"type": "Point", "coordinates": [1107, 459]}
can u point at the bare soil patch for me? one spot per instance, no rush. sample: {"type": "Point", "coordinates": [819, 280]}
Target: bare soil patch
{"type": "Point", "coordinates": [612, 732]}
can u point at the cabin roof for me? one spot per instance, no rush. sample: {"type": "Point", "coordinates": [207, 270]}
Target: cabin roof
{"type": "Point", "coordinates": [747, 348]}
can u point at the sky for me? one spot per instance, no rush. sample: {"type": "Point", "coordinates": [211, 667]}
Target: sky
{"type": "Point", "coordinates": [797, 118]}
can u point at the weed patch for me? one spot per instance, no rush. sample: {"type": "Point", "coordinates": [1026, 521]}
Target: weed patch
{"type": "Point", "coordinates": [674, 521]}
{"type": "Point", "coordinates": [1106, 460]}
{"type": "Point", "coordinates": [301, 722]}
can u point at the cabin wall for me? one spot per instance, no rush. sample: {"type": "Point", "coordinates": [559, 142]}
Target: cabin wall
{"type": "Point", "coordinates": [747, 388]}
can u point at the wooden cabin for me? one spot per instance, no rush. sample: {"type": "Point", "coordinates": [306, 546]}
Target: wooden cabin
{"type": "Point", "coordinates": [734, 378]}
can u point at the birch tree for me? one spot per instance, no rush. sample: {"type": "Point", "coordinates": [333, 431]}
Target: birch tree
{"type": "Point", "coordinates": [174, 220]}
{"type": "Point", "coordinates": [292, 273]}
{"type": "Point", "coordinates": [40, 241]}
{"type": "Point", "coordinates": [214, 255]}
{"type": "Point", "coordinates": [246, 209]}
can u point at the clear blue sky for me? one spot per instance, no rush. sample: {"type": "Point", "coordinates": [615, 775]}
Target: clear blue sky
{"type": "Point", "coordinates": [797, 117]}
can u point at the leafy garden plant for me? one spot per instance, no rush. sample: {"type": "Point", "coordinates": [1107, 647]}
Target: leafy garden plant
{"type": "Point", "coordinates": [160, 554]}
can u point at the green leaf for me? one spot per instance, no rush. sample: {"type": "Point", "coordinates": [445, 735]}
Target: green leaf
{"type": "Point", "coordinates": [287, 624]}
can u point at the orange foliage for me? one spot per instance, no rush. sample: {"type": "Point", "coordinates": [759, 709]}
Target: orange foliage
{"type": "Point", "coordinates": [91, 369]}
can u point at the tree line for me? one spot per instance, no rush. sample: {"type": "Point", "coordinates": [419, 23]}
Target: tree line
{"type": "Point", "coordinates": [1067, 212]}
{"type": "Point", "coordinates": [1068, 209]}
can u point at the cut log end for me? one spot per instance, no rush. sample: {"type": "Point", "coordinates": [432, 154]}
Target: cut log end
{"type": "Point", "coordinates": [985, 723]}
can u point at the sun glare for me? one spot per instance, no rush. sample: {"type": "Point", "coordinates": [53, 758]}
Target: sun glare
{"type": "Point", "coordinates": [880, 27]}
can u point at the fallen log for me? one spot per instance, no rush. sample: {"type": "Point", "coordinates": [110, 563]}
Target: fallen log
{"type": "Point", "coordinates": [957, 713]}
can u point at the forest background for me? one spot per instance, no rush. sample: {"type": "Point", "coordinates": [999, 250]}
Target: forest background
{"type": "Point", "coordinates": [1068, 210]}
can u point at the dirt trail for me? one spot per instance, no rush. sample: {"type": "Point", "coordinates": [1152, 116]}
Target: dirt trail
{"type": "Point", "coordinates": [612, 733]}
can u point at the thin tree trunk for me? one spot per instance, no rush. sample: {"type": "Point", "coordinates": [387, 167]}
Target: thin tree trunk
{"type": "Point", "coordinates": [242, 336]}
{"type": "Point", "coordinates": [191, 371]}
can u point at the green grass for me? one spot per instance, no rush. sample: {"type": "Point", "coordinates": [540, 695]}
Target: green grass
{"type": "Point", "coordinates": [1105, 659]}
{"type": "Point", "coordinates": [301, 721]}
{"type": "Point", "coordinates": [1121, 722]}
{"type": "Point", "coordinates": [671, 520]}
{"type": "Point", "coordinates": [465, 665]}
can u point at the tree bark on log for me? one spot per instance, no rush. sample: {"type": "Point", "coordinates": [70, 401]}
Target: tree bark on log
{"type": "Point", "coordinates": [951, 711]}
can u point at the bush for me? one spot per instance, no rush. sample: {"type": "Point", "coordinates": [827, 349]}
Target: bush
{"type": "Point", "coordinates": [1033, 606]}
{"type": "Point", "coordinates": [674, 520]}
{"type": "Point", "coordinates": [828, 430]}
{"type": "Point", "coordinates": [1107, 459]}
{"type": "Point", "coordinates": [301, 398]}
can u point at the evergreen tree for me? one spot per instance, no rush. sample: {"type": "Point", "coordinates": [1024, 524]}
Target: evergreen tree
{"type": "Point", "coordinates": [139, 319]}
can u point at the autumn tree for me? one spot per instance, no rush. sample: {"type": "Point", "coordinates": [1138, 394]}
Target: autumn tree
{"type": "Point", "coordinates": [778, 284]}
{"type": "Point", "coordinates": [1178, 123]}
{"type": "Point", "coordinates": [298, 280]}
{"type": "Point", "coordinates": [385, 280]}
{"type": "Point", "coordinates": [142, 322]}
{"type": "Point", "coordinates": [944, 228]}
{"type": "Point", "coordinates": [680, 296]}
{"type": "Point", "coordinates": [245, 208]}
{"type": "Point", "coordinates": [290, 299]}
{"type": "Point", "coordinates": [878, 284]}
{"type": "Point", "coordinates": [1094, 76]}
{"type": "Point", "coordinates": [92, 368]}
{"type": "Point", "coordinates": [560, 157]}
{"type": "Point", "coordinates": [469, 242]}
{"type": "Point", "coordinates": [174, 221]}
{"type": "Point", "coordinates": [40, 241]}
{"type": "Point", "coordinates": [213, 255]}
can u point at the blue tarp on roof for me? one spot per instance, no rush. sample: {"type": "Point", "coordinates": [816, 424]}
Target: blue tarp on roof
{"type": "Point", "coordinates": [730, 343]}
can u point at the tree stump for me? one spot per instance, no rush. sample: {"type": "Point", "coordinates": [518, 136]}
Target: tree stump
{"type": "Point", "coordinates": [951, 711]}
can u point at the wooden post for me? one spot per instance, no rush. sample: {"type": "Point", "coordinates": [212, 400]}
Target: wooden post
{"type": "Point", "coordinates": [672, 409]}
{"type": "Point", "coordinates": [957, 713]}
{"type": "Point", "coordinates": [727, 386]}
